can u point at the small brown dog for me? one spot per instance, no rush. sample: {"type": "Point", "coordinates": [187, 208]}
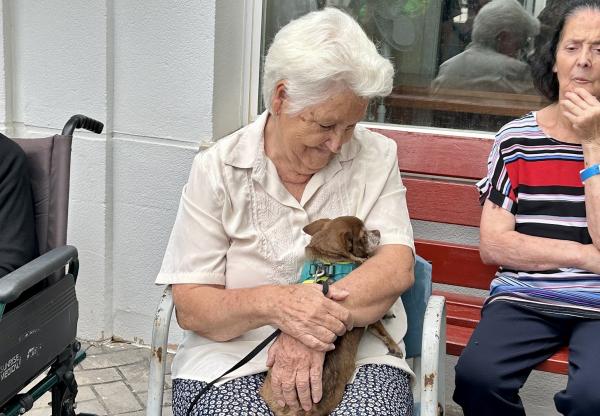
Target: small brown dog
{"type": "Point", "coordinates": [343, 239]}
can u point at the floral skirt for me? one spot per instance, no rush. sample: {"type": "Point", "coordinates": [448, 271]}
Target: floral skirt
{"type": "Point", "coordinates": [379, 390]}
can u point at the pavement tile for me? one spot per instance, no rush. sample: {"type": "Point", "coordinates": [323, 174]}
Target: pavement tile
{"type": "Point", "coordinates": [96, 376]}
{"type": "Point", "coordinates": [91, 348]}
{"type": "Point", "coordinates": [136, 375]}
{"type": "Point", "coordinates": [85, 393]}
{"type": "Point", "coordinates": [116, 358]}
{"type": "Point", "coordinates": [42, 401]}
{"type": "Point", "coordinates": [117, 397]}
{"type": "Point", "coordinates": [113, 380]}
{"type": "Point", "coordinates": [101, 347]}
{"type": "Point", "coordinates": [40, 411]}
{"type": "Point", "coordinates": [120, 346]}
{"type": "Point", "coordinates": [167, 397]}
{"type": "Point", "coordinates": [91, 406]}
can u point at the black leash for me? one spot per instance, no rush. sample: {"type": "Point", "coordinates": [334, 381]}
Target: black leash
{"type": "Point", "coordinates": [244, 360]}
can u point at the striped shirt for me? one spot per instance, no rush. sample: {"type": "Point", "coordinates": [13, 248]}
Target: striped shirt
{"type": "Point", "coordinates": [536, 178]}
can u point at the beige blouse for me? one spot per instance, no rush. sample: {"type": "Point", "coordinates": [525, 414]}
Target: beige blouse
{"type": "Point", "coordinates": [238, 226]}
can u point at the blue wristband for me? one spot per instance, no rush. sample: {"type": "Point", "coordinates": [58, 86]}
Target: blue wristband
{"type": "Point", "coordinates": [589, 172]}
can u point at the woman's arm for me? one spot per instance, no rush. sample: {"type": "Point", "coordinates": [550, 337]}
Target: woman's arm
{"type": "Point", "coordinates": [501, 244]}
{"type": "Point", "coordinates": [591, 154]}
{"type": "Point", "coordinates": [582, 109]}
{"type": "Point", "coordinates": [377, 283]}
{"type": "Point", "coordinates": [373, 287]}
{"type": "Point", "coordinates": [299, 310]}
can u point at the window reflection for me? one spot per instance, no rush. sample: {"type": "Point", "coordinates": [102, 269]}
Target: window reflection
{"type": "Point", "coordinates": [459, 63]}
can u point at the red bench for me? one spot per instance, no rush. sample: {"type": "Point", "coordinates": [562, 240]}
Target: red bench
{"type": "Point", "coordinates": [439, 173]}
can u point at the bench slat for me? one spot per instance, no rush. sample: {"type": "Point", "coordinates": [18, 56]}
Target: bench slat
{"type": "Point", "coordinates": [439, 173]}
{"type": "Point", "coordinates": [429, 200]}
{"type": "Point", "coordinates": [439, 155]}
{"type": "Point", "coordinates": [456, 264]}
{"type": "Point", "coordinates": [461, 299]}
{"type": "Point", "coordinates": [462, 310]}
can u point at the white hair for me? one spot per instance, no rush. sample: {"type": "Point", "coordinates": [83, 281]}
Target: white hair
{"type": "Point", "coordinates": [503, 15]}
{"type": "Point", "coordinates": [319, 54]}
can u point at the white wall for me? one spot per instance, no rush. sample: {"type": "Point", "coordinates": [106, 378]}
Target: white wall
{"type": "Point", "coordinates": [163, 76]}
{"type": "Point", "coordinates": [55, 66]}
{"type": "Point", "coordinates": [153, 71]}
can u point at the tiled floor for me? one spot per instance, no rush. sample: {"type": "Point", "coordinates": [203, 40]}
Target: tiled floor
{"type": "Point", "coordinates": [113, 380]}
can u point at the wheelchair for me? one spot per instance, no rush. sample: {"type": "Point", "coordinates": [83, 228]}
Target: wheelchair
{"type": "Point", "coordinates": [425, 343]}
{"type": "Point", "coordinates": [39, 329]}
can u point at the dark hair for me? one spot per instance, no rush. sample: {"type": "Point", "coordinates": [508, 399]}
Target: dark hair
{"type": "Point", "coordinates": [543, 60]}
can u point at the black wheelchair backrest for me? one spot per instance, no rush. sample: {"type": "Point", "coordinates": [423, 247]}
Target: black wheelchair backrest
{"type": "Point", "coordinates": [49, 165]}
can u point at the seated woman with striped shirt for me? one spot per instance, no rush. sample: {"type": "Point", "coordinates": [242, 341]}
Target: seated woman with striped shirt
{"type": "Point", "coordinates": [541, 223]}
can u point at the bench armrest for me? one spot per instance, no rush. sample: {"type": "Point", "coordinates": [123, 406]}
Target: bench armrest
{"type": "Point", "coordinates": [433, 365]}
{"type": "Point", "coordinates": [158, 353]}
{"type": "Point", "coordinates": [15, 283]}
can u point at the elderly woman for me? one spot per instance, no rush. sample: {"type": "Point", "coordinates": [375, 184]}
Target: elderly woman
{"type": "Point", "coordinates": [237, 246]}
{"type": "Point", "coordinates": [493, 61]}
{"type": "Point", "coordinates": [541, 223]}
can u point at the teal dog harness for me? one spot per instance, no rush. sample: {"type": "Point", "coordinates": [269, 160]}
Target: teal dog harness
{"type": "Point", "coordinates": [321, 272]}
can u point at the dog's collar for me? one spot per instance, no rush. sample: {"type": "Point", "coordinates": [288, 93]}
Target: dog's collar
{"type": "Point", "coordinates": [319, 272]}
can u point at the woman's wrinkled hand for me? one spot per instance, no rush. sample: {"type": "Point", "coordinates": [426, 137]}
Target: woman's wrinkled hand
{"type": "Point", "coordinates": [313, 319]}
{"type": "Point", "coordinates": [296, 373]}
{"type": "Point", "coordinates": [582, 109]}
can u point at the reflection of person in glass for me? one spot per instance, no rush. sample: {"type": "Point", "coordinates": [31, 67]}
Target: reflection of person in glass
{"type": "Point", "coordinates": [492, 62]}
{"type": "Point", "coordinates": [455, 36]}
{"type": "Point", "coordinates": [541, 223]}
{"type": "Point", "coordinates": [237, 246]}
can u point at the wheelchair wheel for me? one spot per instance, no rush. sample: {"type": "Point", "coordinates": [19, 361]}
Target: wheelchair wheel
{"type": "Point", "coordinates": [65, 391]}
{"type": "Point", "coordinates": [66, 405]}
{"type": "Point", "coordinates": [63, 399]}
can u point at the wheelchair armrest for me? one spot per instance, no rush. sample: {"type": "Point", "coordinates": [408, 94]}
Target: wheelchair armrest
{"type": "Point", "coordinates": [15, 283]}
{"type": "Point", "coordinates": [158, 357]}
{"type": "Point", "coordinates": [433, 364]}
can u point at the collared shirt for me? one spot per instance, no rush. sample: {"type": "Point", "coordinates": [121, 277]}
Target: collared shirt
{"type": "Point", "coordinates": [238, 226]}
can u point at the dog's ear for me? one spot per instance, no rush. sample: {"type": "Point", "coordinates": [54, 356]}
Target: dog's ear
{"type": "Point", "coordinates": [315, 226]}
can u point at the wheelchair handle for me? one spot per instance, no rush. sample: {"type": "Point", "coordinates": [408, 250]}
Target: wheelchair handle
{"type": "Point", "coordinates": [16, 282]}
{"type": "Point", "coordinates": [79, 121]}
